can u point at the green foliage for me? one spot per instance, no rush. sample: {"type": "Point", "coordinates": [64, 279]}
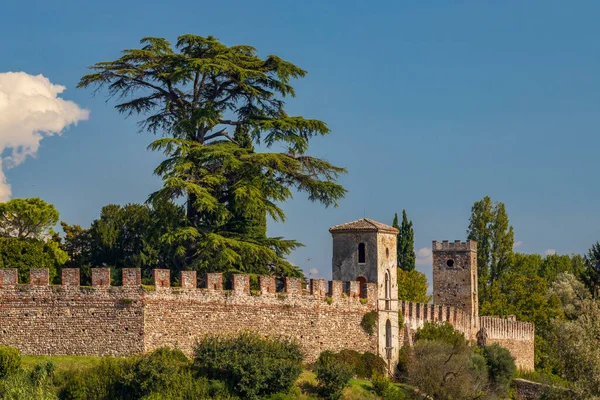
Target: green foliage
{"type": "Point", "coordinates": [444, 371]}
{"type": "Point", "coordinates": [30, 218]}
{"type": "Point", "coordinates": [500, 366]}
{"type": "Point", "coordinates": [333, 376]}
{"type": "Point", "coordinates": [369, 322]}
{"type": "Point", "coordinates": [591, 273]}
{"type": "Point", "coordinates": [212, 103]}
{"type": "Point", "coordinates": [575, 347]}
{"type": "Point", "coordinates": [489, 226]}
{"type": "Point", "coordinates": [441, 332]}
{"type": "Point", "coordinates": [381, 384]}
{"type": "Point", "coordinates": [405, 246]}
{"type": "Point", "coordinates": [10, 361]}
{"type": "Point", "coordinates": [412, 286]}
{"type": "Point", "coordinates": [251, 365]}
{"type": "Point", "coordinates": [22, 385]}
{"type": "Point", "coordinates": [24, 254]}
{"type": "Point", "coordinates": [364, 365]}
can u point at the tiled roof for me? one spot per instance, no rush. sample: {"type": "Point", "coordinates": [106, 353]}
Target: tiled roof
{"type": "Point", "coordinates": [364, 225]}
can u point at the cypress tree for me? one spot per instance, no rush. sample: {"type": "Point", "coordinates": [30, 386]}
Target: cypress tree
{"type": "Point", "coordinates": [406, 243]}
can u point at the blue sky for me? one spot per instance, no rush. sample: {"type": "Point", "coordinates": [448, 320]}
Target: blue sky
{"type": "Point", "coordinates": [432, 106]}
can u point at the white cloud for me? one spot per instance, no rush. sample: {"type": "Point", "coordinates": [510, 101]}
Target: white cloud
{"type": "Point", "coordinates": [549, 252]}
{"type": "Point", "coordinates": [314, 271]}
{"type": "Point", "coordinates": [424, 256]}
{"type": "Point", "coordinates": [517, 244]}
{"type": "Point", "coordinates": [30, 109]}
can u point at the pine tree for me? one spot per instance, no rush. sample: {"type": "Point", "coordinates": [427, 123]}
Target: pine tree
{"type": "Point", "coordinates": [212, 103]}
{"type": "Point", "coordinates": [405, 247]}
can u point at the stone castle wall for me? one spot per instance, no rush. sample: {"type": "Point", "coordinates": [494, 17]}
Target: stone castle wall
{"type": "Point", "coordinates": [99, 320]}
{"type": "Point", "coordinates": [516, 336]}
{"type": "Point", "coordinates": [68, 319]}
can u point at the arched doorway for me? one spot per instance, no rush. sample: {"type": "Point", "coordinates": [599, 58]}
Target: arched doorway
{"type": "Point", "coordinates": [362, 287]}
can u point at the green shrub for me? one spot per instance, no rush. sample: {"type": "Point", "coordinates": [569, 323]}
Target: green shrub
{"type": "Point", "coordinates": [20, 386]}
{"type": "Point", "coordinates": [10, 361]}
{"type": "Point", "coordinates": [159, 370]}
{"type": "Point", "coordinates": [251, 365]}
{"type": "Point", "coordinates": [381, 384]}
{"type": "Point", "coordinates": [75, 389]}
{"type": "Point", "coordinates": [403, 359]}
{"type": "Point", "coordinates": [113, 378]}
{"type": "Point", "coordinates": [368, 322]}
{"type": "Point", "coordinates": [370, 364]}
{"type": "Point", "coordinates": [364, 365]}
{"type": "Point", "coordinates": [501, 367]}
{"type": "Point", "coordinates": [441, 332]}
{"type": "Point", "coordinates": [333, 376]}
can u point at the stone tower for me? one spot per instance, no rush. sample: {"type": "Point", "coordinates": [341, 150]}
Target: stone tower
{"type": "Point", "coordinates": [455, 276]}
{"type": "Point", "coordinates": [365, 251]}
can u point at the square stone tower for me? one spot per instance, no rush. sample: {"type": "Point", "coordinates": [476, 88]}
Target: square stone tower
{"type": "Point", "coordinates": [455, 276]}
{"type": "Point", "coordinates": [365, 251]}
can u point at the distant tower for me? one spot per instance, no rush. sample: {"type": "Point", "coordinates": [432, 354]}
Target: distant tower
{"type": "Point", "coordinates": [455, 276]}
{"type": "Point", "coordinates": [365, 251]}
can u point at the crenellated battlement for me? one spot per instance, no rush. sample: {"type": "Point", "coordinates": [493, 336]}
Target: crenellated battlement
{"type": "Point", "coordinates": [417, 314]}
{"type": "Point", "coordinates": [315, 289]}
{"type": "Point", "coordinates": [457, 245]}
{"type": "Point", "coordinates": [507, 328]}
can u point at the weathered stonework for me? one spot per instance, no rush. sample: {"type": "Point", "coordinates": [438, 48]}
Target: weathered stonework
{"type": "Point", "coordinates": [455, 276]}
{"type": "Point", "coordinates": [109, 320]}
{"type": "Point", "coordinates": [68, 319]}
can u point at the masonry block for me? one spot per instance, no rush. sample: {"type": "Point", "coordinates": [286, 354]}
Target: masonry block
{"type": "Point", "coordinates": [132, 276]}
{"type": "Point", "coordinates": [267, 284]}
{"type": "Point", "coordinates": [8, 276]}
{"type": "Point", "coordinates": [318, 288]}
{"type": "Point", "coordinates": [214, 281]}
{"type": "Point", "coordinates": [241, 283]}
{"type": "Point", "coordinates": [293, 285]}
{"type": "Point", "coordinates": [354, 289]}
{"type": "Point", "coordinates": [71, 277]}
{"type": "Point", "coordinates": [161, 278]}
{"type": "Point", "coordinates": [188, 280]}
{"type": "Point", "coordinates": [39, 276]}
{"type": "Point", "coordinates": [335, 289]}
{"type": "Point", "coordinates": [100, 276]}
{"type": "Point", "coordinates": [371, 294]}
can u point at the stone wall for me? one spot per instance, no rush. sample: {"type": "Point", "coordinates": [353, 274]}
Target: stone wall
{"type": "Point", "coordinates": [68, 319]}
{"type": "Point", "coordinates": [517, 337]}
{"type": "Point", "coordinates": [415, 315]}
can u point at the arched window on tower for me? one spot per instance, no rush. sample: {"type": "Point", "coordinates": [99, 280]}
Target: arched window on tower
{"type": "Point", "coordinates": [388, 290]}
{"type": "Point", "coordinates": [361, 253]}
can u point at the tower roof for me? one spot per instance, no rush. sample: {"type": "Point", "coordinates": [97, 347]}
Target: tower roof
{"type": "Point", "coordinates": [364, 225]}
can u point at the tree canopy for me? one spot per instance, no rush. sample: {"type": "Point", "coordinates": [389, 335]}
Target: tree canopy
{"type": "Point", "coordinates": [30, 218]}
{"type": "Point", "coordinates": [212, 103]}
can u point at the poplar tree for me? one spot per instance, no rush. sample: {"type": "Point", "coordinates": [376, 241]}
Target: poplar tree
{"type": "Point", "coordinates": [489, 226]}
{"type": "Point", "coordinates": [212, 103]}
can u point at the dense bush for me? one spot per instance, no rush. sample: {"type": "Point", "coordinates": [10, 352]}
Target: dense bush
{"type": "Point", "coordinates": [441, 332]}
{"type": "Point", "coordinates": [10, 360]}
{"type": "Point", "coordinates": [364, 365]}
{"type": "Point", "coordinates": [501, 367]}
{"type": "Point", "coordinates": [251, 365]}
{"type": "Point", "coordinates": [381, 384]}
{"type": "Point", "coordinates": [333, 376]}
